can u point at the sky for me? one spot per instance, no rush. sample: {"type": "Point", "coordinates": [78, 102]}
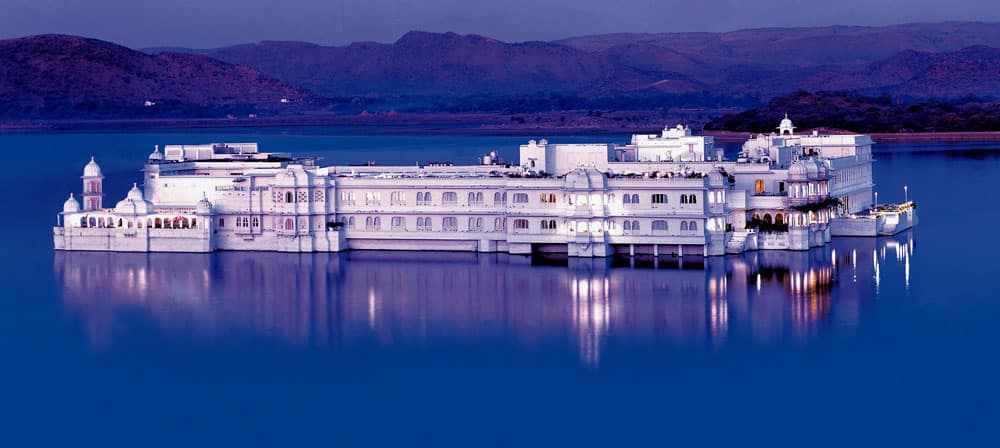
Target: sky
{"type": "Point", "coordinates": [215, 23]}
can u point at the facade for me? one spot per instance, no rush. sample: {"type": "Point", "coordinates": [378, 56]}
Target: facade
{"type": "Point", "coordinates": [671, 194]}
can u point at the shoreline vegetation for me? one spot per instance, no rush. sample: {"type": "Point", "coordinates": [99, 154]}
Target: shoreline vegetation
{"type": "Point", "coordinates": [539, 124]}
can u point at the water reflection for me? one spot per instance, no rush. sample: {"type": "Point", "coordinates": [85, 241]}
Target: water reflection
{"type": "Point", "coordinates": [421, 299]}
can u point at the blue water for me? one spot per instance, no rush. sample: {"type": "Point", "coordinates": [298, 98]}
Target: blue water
{"type": "Point", "coordinates": [866, 342]}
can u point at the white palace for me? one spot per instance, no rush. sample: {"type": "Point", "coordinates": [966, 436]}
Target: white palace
{"type": "Point", "coordinates": [668, 194]}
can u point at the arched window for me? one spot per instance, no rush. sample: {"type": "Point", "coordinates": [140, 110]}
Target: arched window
{"type": "Point", "coordinates": [158, 223]}
{"type": "Point", "coordinates": [684, 226]}
{"type": "Point", "coordinates": [289, 223]}
{"type": "Point", "coordinates": [497, 199]}
{"type": "Point", "coordinates": [759, 186]}
{"type": "Point", "coordinates": [449, 224]}
{"type": "Point", "coordinates": [449, 198]}
{"type": "Point", "coordinates": [627, 226]}
{"type": "Point", "coordinates": [692, 199]}
{"type": "Point", "coordinates": [420, 197]}
{"type": "Point", "coordinates": [778, 219]}
{"type": "Point", "coordinates": [659, 198]}
{"type": "Point", "coordinates": [520, 198]}
{"type": "Point", "coordinates": [767, 218]}
{"type": "Point", "coordinates": [497, 227]}
{"type": "Point", "coordinates": [479, 223]}
{"type": "Point", "coordinates": [288, 197]}
{"type": "Point", "coordinates": [378, 223]}
{"type": "Point", "coordinates": [83, 221]}
{"type": "Point", "coordinates": [693, 225]}
{"type": "Point", "coordinates": [684, 199]}
{"type": "Point", "coordinates": [635, 198]}
{"type": "Point", "coordinates": [635, 226]}
{"type": "Point", "coordinates": [627, 199]}
{"type": "Point", "coordinates": [659, 225]}
{"type": "Point", "coordinates": [520, 224]}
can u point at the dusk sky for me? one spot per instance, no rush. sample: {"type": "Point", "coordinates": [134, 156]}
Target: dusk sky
{"type": "Point", "coordinates": [213, 23]}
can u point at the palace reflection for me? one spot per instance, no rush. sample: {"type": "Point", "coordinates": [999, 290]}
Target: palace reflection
{"type": "Point", "coordinates": [401, 298]}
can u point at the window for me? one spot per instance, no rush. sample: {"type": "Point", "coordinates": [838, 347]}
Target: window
{"type": "Point", "coordinates": [548, 224]}
{"type": "Point", "coordinates": [547, 198]}
{"type": "Point", "coordinates": [627, 226]}
{"type": "Point", "coordinates": [288, 197]}
{"type": "Point", "coordinates": [347, 197]}
{"type": "Point", "coordinates": [449, 198]}
{"type": "Point", "coordinates": [449, 224]}
{"type": "Point", "coordinates": [289, 224]}
{"type": "Point", "coordinates": [520, 198]}
{"type": "Point", "coordinates": [222, 222]}
{"type": "Point", "coordinates": [659, 226]}
{"type": "Point", "coordinates": [759, 186]}
{"type": "Point", "coordinates": [475, 224]}
{"type": "Point", "coordinates": [475, 199]}
{"type": "Point", "coordinates": [255, 222]}
{"type": "Point", "coordinates": [631, 199]}
{"type": "Point", "coordinates": [424, 224]}
{"type": "Point", "coordinates": [659, 198]}
{"type": "Point", "coordinates": [373, 197]}
{"type": "Point", "coordinates": [520, 224]}
{"type": "Point", "coordinates": [635, 226]}
{"type": "Point", "coordinates": [424, 198]}
{"type": "Point", "coordinates": [684, 225]}
{"type": "Point", "coordinates": [693, 225]}
{"type": "Point", "coordinates": [500, 199]}
{"type": "Point", "coordinates": [692, 199]}
{"type": "Point", "coordinates": [398, 223]}
{"type": "Point", "coordinates": [627, 199]}
{"type": "Point", "coordinates": [499, 225]}
{"type": "Point", "coordinates": [397, 198]}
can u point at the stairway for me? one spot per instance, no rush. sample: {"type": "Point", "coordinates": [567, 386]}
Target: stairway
{"type": "Point", "coordinates": [735, 245]}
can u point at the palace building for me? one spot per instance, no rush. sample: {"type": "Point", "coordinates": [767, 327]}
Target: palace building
{"type": "Point", "coordinates": [670, 194]}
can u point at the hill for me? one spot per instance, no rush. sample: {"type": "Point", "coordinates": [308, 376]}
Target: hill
{"type": "Point", "coordinates": [58, 76]}
{"type": "Point", "coordinates": [859, 113]}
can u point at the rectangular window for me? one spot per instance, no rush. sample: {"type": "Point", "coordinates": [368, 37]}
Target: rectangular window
{"type": "Point", "coordinates": [659, 198]}
{"type": "Point", "coordinates": [398, 197]}
{"type": "Point", "coordinates": [347, 197]}
{"type": "Point", "coordinates": [449, 198]}
{"type": "Point", "coordinates": [520, 198]}
{"type": "Point", "coordinates": [373, 197]}
{"type": "Point", "coordinates": [222, 222]}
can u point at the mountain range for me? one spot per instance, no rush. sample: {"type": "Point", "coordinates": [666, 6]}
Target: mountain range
{"type": "Point", "coordinates": [430, 71]}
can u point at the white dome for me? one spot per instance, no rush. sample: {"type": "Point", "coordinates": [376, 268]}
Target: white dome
{"type": "Point", "coordinates": [203, 207]}
{"type": "Point", "coordinates": [812, 168]}
{"type": "Point", "coordinates": [156, 154]}
{"type": "Point", "coordinates": [71, 205]}
{"type": "Point", "coordinates": [92, 169]}
{"type": "Point", "coordinates": [134, 203]}
{"type": "Point", "coordinates": [715, 178]}
{"type": "Point", "coordinates": [798, 171]}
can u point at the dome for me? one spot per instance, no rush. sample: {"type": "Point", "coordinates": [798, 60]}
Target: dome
{"type": "Point", "coordinates": [786, 126]}
{"type": "Point", "coordinates": [715, 178]}
{"type": "Point", "coordinates": [798, 171]}
{"type": "Point", "coordinates": [585, 178]}
{"type": "Point", "coordinates": [71, 205]}
{"type": "Point", "coordinates": [203, 207]}
{"type": "Point", "coordinates": [134, 203]}
{"type": "Point", "coordinates": [812, 168]}
{"type": "Point", "coordinates": [92, 169]}
{"type": "Point", "coordinates": [156, 155]}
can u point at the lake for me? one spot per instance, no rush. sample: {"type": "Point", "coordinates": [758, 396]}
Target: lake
{"type": "Point", "coordinates": [888, 341]}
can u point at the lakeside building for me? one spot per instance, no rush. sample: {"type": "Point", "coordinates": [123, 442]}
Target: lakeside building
{"type": "Point", "coordinates": [671, 194]}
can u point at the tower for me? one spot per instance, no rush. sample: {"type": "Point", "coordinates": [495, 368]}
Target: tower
{"type": "Point", "coordinates": [93, 189]}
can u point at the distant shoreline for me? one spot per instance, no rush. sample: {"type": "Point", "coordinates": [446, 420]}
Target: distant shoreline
{"type": "Point", "coordinates": [464, 124]}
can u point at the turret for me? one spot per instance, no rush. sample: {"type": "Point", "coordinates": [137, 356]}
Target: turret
{"type": "Point", "coordinates": [93, 189]}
